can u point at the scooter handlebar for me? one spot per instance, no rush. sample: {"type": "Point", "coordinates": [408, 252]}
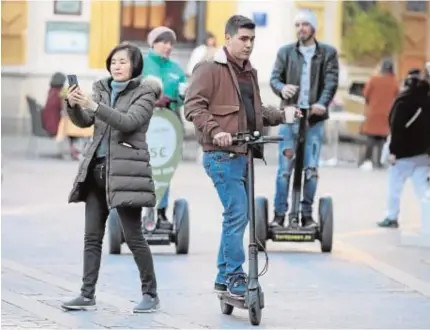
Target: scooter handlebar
{"type": "Point", "coordinates": [251, 139]}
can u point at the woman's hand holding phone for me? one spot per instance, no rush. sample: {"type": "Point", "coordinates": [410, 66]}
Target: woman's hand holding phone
{"type": "Point", "coordinates": [72, 95]}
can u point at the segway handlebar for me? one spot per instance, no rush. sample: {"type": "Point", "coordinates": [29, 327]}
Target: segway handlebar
{"type": "Point", "coordinates": [255, 138]}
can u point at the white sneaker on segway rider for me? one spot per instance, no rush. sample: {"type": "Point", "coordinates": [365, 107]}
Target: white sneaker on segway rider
{"type": "Point", "coordinates": [162, 221]}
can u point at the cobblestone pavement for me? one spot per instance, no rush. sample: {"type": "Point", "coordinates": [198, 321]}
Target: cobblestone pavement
{"type": "Point", "coordinates": [369, 281]}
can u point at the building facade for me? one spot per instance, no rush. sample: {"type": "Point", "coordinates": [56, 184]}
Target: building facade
{"type": "Point", "coordinates": [75, 36]}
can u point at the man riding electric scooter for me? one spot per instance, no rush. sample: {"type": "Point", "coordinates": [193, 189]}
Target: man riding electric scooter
{"type": "Point", "coordinates": [223, 99]}
{"type": "Point", "coordinates": [158, 63]}
{"type": "Point", "coordinates": [305, 74]}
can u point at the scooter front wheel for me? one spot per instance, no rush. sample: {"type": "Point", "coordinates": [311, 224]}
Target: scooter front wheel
{"type": "Point", "coordinates": [254, 307]}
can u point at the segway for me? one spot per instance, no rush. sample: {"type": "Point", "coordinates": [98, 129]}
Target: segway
{"type": "Point", "coordinates": [294, 232]}
{"type": "Point", "coordinates": [253, 300]}
{"type": "Point", "coordinates": [164, 137]}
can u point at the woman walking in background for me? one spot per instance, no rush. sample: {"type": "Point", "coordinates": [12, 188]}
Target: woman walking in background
{"type": "Point", "coordinates": [379, 93]}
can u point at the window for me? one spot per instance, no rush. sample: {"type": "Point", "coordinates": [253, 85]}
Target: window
{"type": "Point", "coordinates": [416, 6]}
{"type": "Point", "coordinates": [138, 18]}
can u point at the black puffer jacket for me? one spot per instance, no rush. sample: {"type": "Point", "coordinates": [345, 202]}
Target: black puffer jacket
{"type": "Point", "coordinates": [128, 173]}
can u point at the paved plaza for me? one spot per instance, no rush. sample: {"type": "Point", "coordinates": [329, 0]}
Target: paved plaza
{"type": "Point", "coordinates": [369, 280]}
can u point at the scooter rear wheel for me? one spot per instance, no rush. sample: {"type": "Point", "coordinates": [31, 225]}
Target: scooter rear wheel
{"type": "Point", "coordinates": [226, 308]}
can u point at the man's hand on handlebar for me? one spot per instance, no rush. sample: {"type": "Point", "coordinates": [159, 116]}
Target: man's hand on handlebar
{"type": "Point", "coordinates": [223, 139]}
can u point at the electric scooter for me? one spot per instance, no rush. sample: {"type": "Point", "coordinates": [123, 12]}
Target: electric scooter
{"type": "Point", "coordinates": [294, 232]}
{"type": "Point", "coordinates": [253, 300]}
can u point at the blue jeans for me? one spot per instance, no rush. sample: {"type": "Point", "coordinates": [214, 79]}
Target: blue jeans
{"type": "Point", "coordinates": [228, 176]}
{"type": "Point", "coordinates": [416, 168]}
{"type": "Point", "coordinates": [165, 200]}
{"type": "Point", "coordinates": [314, 139]}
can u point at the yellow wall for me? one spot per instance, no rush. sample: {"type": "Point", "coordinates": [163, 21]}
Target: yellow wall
{"type": "Point", "coordinates": [14, 17]}
{"type": "Point", "coordinates": [104, 31]}
{"type": "Point", "coordinates": [217, 14]}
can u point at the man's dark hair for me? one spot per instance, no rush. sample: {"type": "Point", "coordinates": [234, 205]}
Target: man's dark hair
{"type": "Point", "coordinates": [134, 54]}
{"type": "Point", "coordinates": [237, 22]}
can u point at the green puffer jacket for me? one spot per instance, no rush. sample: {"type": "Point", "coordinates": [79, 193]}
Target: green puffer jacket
{"type": "Point", "coordinates": [170, 74]}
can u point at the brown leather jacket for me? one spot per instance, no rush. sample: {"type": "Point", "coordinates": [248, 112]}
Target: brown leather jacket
{"type": "Point", "coordinates": [213, 103]}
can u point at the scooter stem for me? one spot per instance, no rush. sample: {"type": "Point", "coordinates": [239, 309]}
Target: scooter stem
{"type": "Point", "coordinates": [252, 248]}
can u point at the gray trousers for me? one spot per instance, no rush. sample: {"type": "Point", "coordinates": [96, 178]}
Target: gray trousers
{"type": "Point", "coordinates": [96, 214]}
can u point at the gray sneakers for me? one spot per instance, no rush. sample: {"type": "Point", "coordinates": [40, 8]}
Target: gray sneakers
{"type": "Point", "coordinates": [79, 303]}
{"type": "Point", "coordinates": [147, 305]}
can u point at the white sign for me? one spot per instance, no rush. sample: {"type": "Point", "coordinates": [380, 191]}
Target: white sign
{"type": "Point", "coordinates": [162, 141]}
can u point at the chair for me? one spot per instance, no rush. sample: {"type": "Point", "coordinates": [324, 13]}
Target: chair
{"type": "Point", "coordinates": [37, 130]}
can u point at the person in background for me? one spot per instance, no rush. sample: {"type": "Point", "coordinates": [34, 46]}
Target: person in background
{"type": "Point", "coordinates": [379, 93]}
{"type": "Point", "coordinates": [409, 144]}
{"type": "Point", "coordinates": [159, 64]}
{"type": "Point", "coordinates": [305, 75]}
{"type": "Point", "coordinates": [203, 52]}
{"type": "Point", "coordinates": [51, 112]}
{"type": "Point", "coordinates": [116, 172]}
{"type": "Point", "coordinates": [53, 119]}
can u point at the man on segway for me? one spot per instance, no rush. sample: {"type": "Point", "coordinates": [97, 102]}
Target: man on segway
{"type": "Point", "coordinates": [223, 99]}
{"type": "Point", "coordinates": [158, 64]}
{"type": "Point", "coordinates": [305, 74]}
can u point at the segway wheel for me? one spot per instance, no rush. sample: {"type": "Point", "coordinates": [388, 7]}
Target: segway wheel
{"type": "Point", "coordinates": [182, 226]}
{"type": "Point", "coordinates": [116, 236]}
{"type": "Point", "coordinates": [254, 307]}
{"type": "Point", "coordinates": [326, 223]}
{"type": "Point", "coordinates": [226, 308]}
{"type": "Point", "coordinates": [261, 221]}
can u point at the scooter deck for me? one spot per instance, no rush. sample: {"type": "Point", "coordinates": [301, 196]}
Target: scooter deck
{"type": "Point", "coordinates": [297, 234]}
{"type": "Point", "coordinates": [238, 302]}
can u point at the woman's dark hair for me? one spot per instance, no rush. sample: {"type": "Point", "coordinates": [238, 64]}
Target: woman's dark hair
{"type": "Point", "coordinates": [135, 55]}
{"type": "Point", "coordinates": [57, 80]}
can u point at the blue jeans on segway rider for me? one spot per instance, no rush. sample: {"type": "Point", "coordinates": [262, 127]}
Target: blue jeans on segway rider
{"type": "Point", "coordinates": [305, 74]}
{"type": "Point", "coordinates": [158, 63]}
{"type": "Point", "coordinates": [223, 99]}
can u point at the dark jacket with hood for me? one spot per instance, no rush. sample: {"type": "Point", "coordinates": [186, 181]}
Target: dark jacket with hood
{"type": "Point", "coordinates": [410, 122]}
{"type": "Point", "coordinates": [128, 171]}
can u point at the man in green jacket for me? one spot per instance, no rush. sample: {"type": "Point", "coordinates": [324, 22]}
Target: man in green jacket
{"type": "Point", "coordinates": [158, 63]}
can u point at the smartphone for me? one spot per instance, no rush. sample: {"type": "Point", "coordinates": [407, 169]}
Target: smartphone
{"type": "Point", "coordinates": [73, 80]}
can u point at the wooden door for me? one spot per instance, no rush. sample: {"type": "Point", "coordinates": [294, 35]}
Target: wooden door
{"type": "Point", "coordinates": [416, 35]}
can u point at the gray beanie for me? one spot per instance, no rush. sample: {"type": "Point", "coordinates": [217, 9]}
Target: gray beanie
{"type": "Point", "coordinates": [308, 16]}
{"type": "Point", "coordinates": [158, 31]}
